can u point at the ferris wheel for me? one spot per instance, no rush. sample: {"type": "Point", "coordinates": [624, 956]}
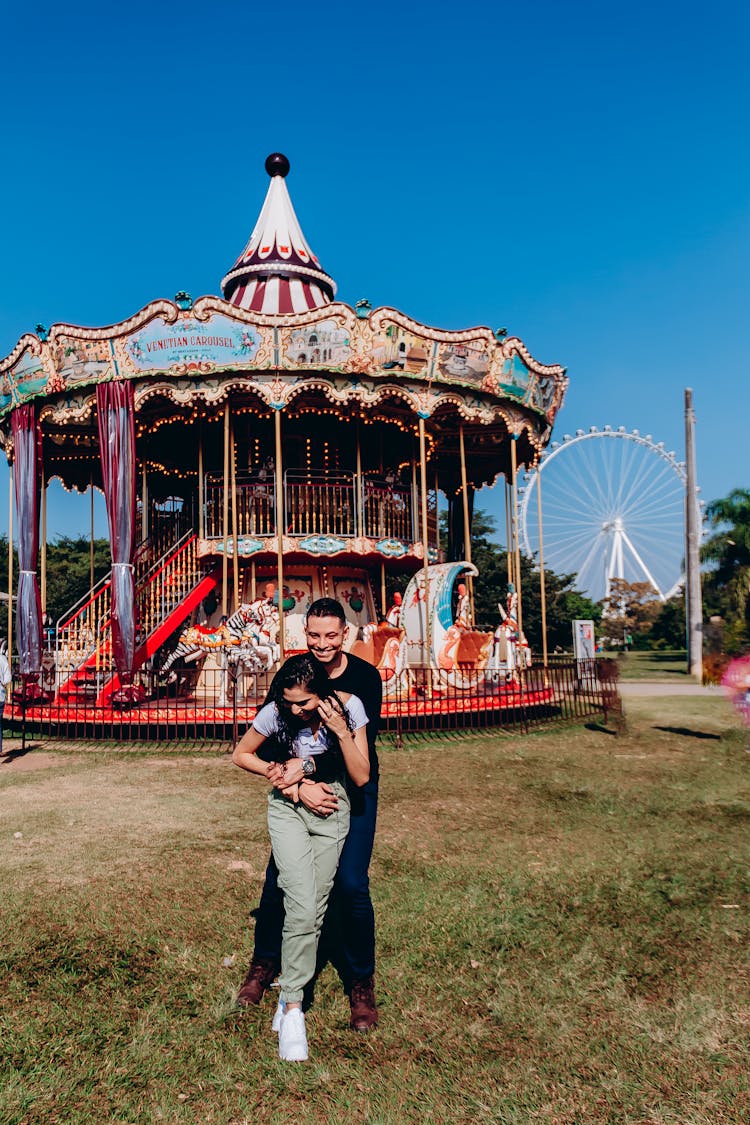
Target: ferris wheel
{"type": "Point", "coordinates": [613, 506]}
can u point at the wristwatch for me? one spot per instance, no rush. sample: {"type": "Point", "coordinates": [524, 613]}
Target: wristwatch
{"type": "Point", "coordinates": [308, 767]}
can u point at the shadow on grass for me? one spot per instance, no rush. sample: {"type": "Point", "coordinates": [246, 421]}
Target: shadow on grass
{"type": "Point", "coordinates": [8, 756]}
{"type": "Point", "coordinates": [689, 733]}
{"type": "Point", "coordinates": [601, 729]}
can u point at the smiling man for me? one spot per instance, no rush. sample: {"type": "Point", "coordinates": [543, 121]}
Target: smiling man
{"type": "Point", "coordinates": [325, 632]}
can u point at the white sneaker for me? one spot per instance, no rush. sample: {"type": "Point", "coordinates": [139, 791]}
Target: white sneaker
{"type": "Point", "coordinates": [278, 1016]}
{"type": "Point", "coordinates": [292, 1037]}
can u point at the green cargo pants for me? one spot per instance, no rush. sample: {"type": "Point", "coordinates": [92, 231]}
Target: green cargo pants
{"type": "Point", "coordinates": [306, 848]}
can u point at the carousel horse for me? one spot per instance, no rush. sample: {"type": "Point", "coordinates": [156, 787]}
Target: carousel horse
{"type": "Point", "coordinates": [511, 653]}
{"type": "Point", "coordinates": [237, 661]}
{"type": "Point", "coordinates": [385, 647]}
{"type": "Point", "coordinates": [462, 657]}
{"type": "Point", "coordinates": [457, 656]}
{"type": "Point", "coordinates": [250, 639]}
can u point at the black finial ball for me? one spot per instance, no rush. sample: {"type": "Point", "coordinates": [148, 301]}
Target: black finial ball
{"type": "Point", "coordinates": [277, 164]}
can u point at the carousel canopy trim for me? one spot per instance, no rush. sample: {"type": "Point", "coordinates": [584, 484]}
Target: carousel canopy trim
{"type": "Point", "coordinates": [198, 348]}
{"type": "Point", "coordinates": [277, 273]}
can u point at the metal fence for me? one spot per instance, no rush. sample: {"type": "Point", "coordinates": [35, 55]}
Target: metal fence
{"type": "Point", "coordinates": [208, 705]}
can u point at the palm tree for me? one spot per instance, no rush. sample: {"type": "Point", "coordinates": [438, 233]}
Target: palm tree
{"type": "Point", "coordinates": [727, 552]}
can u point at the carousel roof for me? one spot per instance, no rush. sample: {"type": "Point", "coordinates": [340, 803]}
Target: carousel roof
{"type": "Point", "coordinates": [277, 272]}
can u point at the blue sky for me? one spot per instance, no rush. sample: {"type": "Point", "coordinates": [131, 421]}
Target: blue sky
{"type": "Point", "coordinates": [576, 172]}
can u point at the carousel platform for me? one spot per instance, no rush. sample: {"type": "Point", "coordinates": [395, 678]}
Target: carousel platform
{"type": "Point", "coordinates": [546, 695]}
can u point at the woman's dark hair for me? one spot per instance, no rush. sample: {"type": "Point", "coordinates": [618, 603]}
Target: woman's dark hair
{"type": "Point", "coordinates": [305, 672]}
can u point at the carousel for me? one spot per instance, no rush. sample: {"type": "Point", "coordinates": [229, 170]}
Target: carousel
{"type": "Point", "coordinates": [257, 451]}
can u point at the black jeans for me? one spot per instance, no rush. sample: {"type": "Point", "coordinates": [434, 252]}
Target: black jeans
{"type": "Point", "coordinates": [350, 903]}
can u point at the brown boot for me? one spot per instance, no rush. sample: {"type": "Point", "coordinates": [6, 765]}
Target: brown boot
{"type": "Point", "coordinates": [362, 999]}
{"type": "Point", "coordinates": [260, 976]}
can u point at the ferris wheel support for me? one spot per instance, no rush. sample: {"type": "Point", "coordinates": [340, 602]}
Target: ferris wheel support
{"type": "Point", "coordinates": [617, 562]}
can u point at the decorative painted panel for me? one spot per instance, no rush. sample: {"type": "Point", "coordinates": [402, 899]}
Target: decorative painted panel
{"type": "Point", "coordinates": [191, 345]}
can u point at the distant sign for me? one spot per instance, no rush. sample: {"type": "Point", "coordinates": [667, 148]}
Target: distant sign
{"type": "Point", "coordinates": [192, 344]}
{"type": "Point", "coordinates": [584, 642]}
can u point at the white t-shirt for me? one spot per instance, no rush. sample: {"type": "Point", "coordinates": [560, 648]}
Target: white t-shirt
{"type": "Point", "coordinates": [306, 744]}
{"type": "Point", "coordinates": [5, 676]}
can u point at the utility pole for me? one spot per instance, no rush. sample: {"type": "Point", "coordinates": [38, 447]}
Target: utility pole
{"type": "Point", "coordinates": [693, 599]}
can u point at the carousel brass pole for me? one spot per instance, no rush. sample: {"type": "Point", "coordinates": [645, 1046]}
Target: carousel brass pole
{"type": "Point", "coordinates": [383, 597]}
{"type": "Point", "coordinates": [43, 552]}
{"type": "Point", "coordinates": [252, 581]}
{"type": "Point", "coordinates": [425, 545]}
{"type": "Point", "coordinates": [414, 497]}
{"type": "Point", "coordinates": [201, 528]}
{"type": "Point", "coordinates": [225, 515]}
{"type": "Point", "coordinates": [437, 517]}
{"type": "Point", "coordinates": [516, 544]}
{"type": "Point", "coordinates": [91, 535]}
{"type": "Point", "coordinates": [235, 537]}
{"type": "Point", "coordinates": [279, 532]}
{"type": "Point", "coordinates": [11, 500]}
{"type": "Point", "coordinates": [508, 534]}
{"type": "Point", "coordinates": [542, 585]}
{"type": "Point", "coordinates": [467, 523]}
{"type": "Point", "coordinates": [144, 503]}
{"type": "Point", "coordinates": [359, 513]}
{"type": "Point", "coordinates": [92, 623]}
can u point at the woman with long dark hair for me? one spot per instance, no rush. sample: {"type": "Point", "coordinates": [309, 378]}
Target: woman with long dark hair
{"type": "Point", "coordinates": [307, 717]}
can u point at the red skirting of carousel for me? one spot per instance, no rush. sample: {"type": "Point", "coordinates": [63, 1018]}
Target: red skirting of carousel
{"type": "Point", "coordinates": [257, 451]}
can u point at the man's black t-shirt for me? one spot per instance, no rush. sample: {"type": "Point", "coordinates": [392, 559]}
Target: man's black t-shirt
{"type": "Point", "coordinates": [363, 679]}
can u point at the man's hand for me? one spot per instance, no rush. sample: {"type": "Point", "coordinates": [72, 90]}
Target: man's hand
{"type": "Point", "coordinates": [318, 797]}
{"type": "Point", "coordinates": [292, 792]}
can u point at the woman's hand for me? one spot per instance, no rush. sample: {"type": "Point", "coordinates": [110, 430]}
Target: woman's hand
{"type": "Point", "coordinates": [333, 717]}
{"type": "Point", "coordinates": [275, 774]}
{"type": "Point", "coordinates": [318, 797]}
{"type": "Point", "coordinates": [291, 773]}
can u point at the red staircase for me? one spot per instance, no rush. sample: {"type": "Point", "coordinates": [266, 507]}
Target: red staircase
{"type": "Point", "coordinates": [168, 589]}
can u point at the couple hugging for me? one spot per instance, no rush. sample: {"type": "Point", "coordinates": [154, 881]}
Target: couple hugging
{"type": "Point", "coordinates": [314, 741]}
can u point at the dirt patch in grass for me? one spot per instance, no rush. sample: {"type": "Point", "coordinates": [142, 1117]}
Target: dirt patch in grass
{"type": "Point", "coordinates": [16, 762]}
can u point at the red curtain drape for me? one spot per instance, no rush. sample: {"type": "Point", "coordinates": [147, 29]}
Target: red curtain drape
{"type": "Point", "coordinates": [27, 456]}
{"type": "Point", "coordinates": [114, 403]}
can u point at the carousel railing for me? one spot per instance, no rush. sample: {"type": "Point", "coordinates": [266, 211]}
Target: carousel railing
{"type": "Point", "coordinates": [255, 501]}
{"type": "Point", "coordinates": [78, 633]}
{"type": "Point", "coordinates": [83, 648]}
{"type": "Point", "coordinates": [317, 504]}
{"type": "Point", "coordinates": [387, 511]}
{"type": "Point", "coordinates": [203, 705]}
{"type": "Point", "coordinates": [167, 583]}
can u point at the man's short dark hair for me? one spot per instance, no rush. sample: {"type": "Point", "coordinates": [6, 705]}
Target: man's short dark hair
{"type": "Point", "coordinates": [327, 607]}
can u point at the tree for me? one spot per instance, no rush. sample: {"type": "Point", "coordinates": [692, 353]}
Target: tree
{"type": "Point", "coordinates": [69, 573]}
{"type": "Point", "coordinates": [726, 586]}
{"type": "Point", "coordinates": [669, 629]}
{"type": "Point", "coordinates": [68, 570]}
{"type": "Point", "coordinates": [630, 609]}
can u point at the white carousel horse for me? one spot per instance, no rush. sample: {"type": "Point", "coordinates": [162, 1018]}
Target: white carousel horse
{"type": "Point", "coordinates": [249, 640]}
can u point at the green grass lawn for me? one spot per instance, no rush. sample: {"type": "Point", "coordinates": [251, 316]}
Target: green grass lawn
{"type": "Point", "coordinates": [563, 926]}
{"type": "Point", "coordinates": [661, 667]}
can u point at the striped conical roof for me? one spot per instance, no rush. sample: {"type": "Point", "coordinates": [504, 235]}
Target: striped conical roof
{"type": "Point", "coordinates": [277, 272]}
